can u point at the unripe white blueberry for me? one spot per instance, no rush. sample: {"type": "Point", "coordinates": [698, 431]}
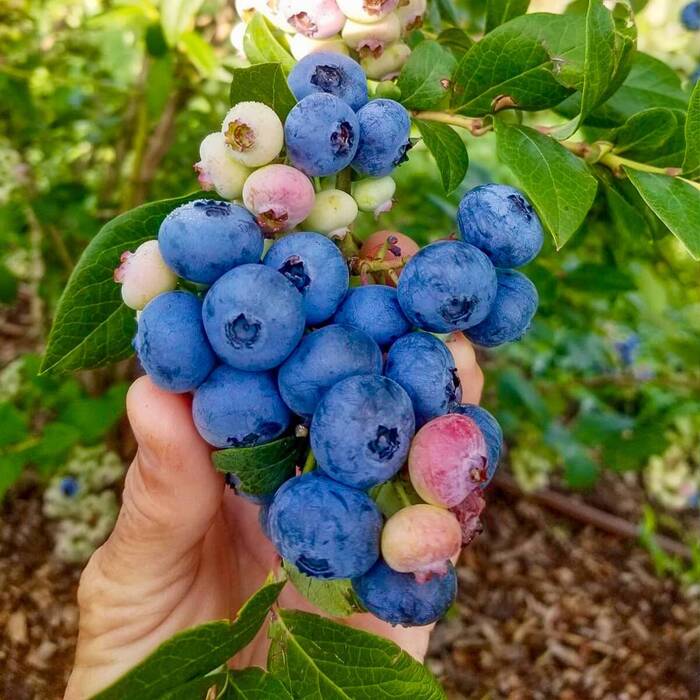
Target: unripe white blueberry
{"type": "Point", "coordinates": [245, 9]}
{"type": "Point", "coordinates": [143, 275]}
{"type": "Point", "coordinates": [237, 37]}
{"type": "Point", "coordinates": [253, 133]}
{"type": "Point", "coordinates": [333, 212]}
{"type": "Point", "coordinates": [388, 65]}
{"type": "Point", "coordinates": [316, 19]}
{"type": "Point", "coordinates": [270, 9]}
{"type": "Point", "coordinates": [411, 14]}
{"type": "Point", "coordinates": [218, 170]}
{"type": "Point", "coordinates": [366, 11]}
{"type": "Point", "coordinates": [301, 45]}
{"type": "Point", "coordinates": [371, 39]}
{"type": "Point", "coordinates": [374, 194]}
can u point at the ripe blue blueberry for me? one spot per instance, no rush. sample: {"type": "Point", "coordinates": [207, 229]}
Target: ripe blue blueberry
{"type": "Point", "coordinates": [500, 221]}
{"type": "Point", "coordinates": [423, 365]}
{"type": "Point", "coordinates": [69, 486]}
{"type": "Point", "coordinates": [171, 344]}
{"type": "Point", "coordinates": [374, 309]}
{"type": "Point", "coordinates": [322, 359]}
{"type": "Point", "coordinates": [362, 429]}
{"type": "Point", "coordinates": [321, 133]}
{"type": "Point", "coordinates": [254, 317]}
{"type": "Point", "coordinates": [316, 267]}
{"type": "Point", "coordinates": [332, 73]}
{"type": "Point", "coordinates": [511, 313]}
{"type": "Point", "coordinates": [400, 600]}
{"type": "Point", "coordinates": [447, 286]}
{"type": "Point", "coordinates": [384, 143]}
{"type": "Point", "coordinates": [491, 431]}
{"type": "Point", "coordinates": [326, 529]}
{"type": "Point", "coordinates": [690, 16]}
{"type": "Point", "coordinates": [202, 240]}
{"type": "Point", "coordinates": [239, 409]}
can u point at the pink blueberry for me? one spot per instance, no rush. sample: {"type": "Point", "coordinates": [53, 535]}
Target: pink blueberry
{"type": "Point", "coordinates": [143, 275]}
{"type": "Point", "coordinates": [447, 460]}
{"type": "Point", "coordinates": [468, 514]}
{"type": "Point", "coordinates": [316, 19]}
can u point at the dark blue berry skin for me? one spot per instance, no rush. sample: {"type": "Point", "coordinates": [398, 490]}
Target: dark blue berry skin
{"type": "Point", "coordinates": [690, 16]}
{"type": "Point", "coordinates": [171, 344]}
{"type": "Point", "coordinates": [492, 434]}
{"type": "Point", "coordinates": [423, 365]}
{"type": "Point", "coordinates": [362, 429]}
{"type": "Point", "coordinates": [447, 286]}
{"type": "Point", "coordinates": [69, 486]}
{"type": "Point", "coordinates": [322, 359]}
{"type": "Point", "coordinates": [202, 240]}
{"type": "Point", "coordinates": [374, 309]}
{"type": "Point", "coordinates": [328, 72]}
{"type": "Point", "coordinates": [321, 134]}
{"type": "Point", "coordinates": [326, 529]}
{"type": "Point", "coordinates": [254, 317]}
{"type": "Point", "coordinates": [512, 312]}
{"type": "Point", "coordinates": [239, 409]}
{"type": "Point", "coordinates": [500, 221]}
{"type": "Point", "coordinates": [316, 267]}
{"type": "Point", "coordinates": [384, 138]}
{"type": "Point", "coordinates": [400, 600]}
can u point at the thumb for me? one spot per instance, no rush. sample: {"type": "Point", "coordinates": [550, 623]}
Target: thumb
{"type": "Point", "coordinates": [171, 494]}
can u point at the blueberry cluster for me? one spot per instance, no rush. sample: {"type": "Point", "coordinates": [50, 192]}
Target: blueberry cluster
{"type": "Point", "coordinates": [274, 331]}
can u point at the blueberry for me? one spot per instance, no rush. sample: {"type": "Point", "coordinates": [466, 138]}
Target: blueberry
{"type": "Point", "coordinates": [171, 344]}
{"type": "Point", "coordinates": [203, 239]}
{"type": "Point", "coordinates": [512, 311]}
{"type": "Point", "coordinates": [491, 431]}
{"type": "Point", "coordinates": [690, 16]}
{"type": "Point", "coordinates": [384, 142]}
{"type": "Point", "coordinates": [332, 73]}
{"type": "Point", "coordinates": [326, 529]}
{"type": "Point", "coordinates": [321, 133]}
{"type": "Point", "coordinates": [425, 368]}
{"type": "Point", "coordinates": [447, 286]}
{"type": "Point", "coordinates": [69, 486]}
{"type": "Point", "coordinates": [316, 267]}
{"type": "Point", "coordinates": [322, 359]}
{"type": "Point", "coordinates": [375, 310]}
{"type": "Point", "coordinates": [501, 222]}
{"type": "Point", "coordinates": [254, 317]}
{"type": "Point", "coordinates": [400, 600]}
{"type": "Point", "coordinates": [239, 409]}
{"type": "Point", "coordinates": [362, 429]}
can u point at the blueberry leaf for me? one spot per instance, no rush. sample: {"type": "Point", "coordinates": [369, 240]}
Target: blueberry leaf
{"type": "Point", "coordinates": [650, 128]}
{"type": "Point", "coordinates": [558, 183]}
{"type": "Point", "coordinates": [456, 40]}
{"type": "Point", "coordinates": [318, 659]}
{"type": "Point", "coordinates": [264, 44]}
{"type": "Point", "coordinates": [425, 79]}
{"type": "Point", "coordinates": [92, 327]}
{"type": "Point", "coordinates": [195, 652]}
{"type": "Point", "coordinates": [335, 598]}
{"type": "Point", "coordinates": [260, 470]}
{"type": "Point", "coordinates": [264, 82]}
{"type": "Point", "coordinates": [500, 11]}
{"type": "Point", "coordinates": [389, 498]}
{"type": "Point", "coordinates": [691, 161]}
{"type": "Point", "coordinates": [627, 218]}
{"type": "Point", "coordinates": [675, 201]}
{"type": "Point", "coordinates": [449, 152]}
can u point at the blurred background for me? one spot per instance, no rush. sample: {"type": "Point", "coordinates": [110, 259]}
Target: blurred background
{"type": "Point", "coordinates": [586, 581]}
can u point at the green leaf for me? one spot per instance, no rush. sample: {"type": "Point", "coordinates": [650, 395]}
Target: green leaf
{"type": "Point", "coordinates": [264, 44]}
{"type": "Point", "coordinates": [92, 327]}
{"type": "Point", "coordinates": [194, 652]}
{"type": "Point", "coordinates": [199, 52]}
{"type": "Point", "coordinates": [607, 279]}
{"type": "Point", "coordinates": [254, 684]}
{"type": "Point", "coordinates": [11, 468]}
{"type": "Point", "coordinates": [456, 40]}
{"type": "Point", "coordinates": [425, 79]}
{"type": "Point", "coordinates": [266, 83]}
{"type": "Point", "coordinates": [558, 183]}
{"type": "Point", "coordinates": [648, 129]}
{"type": "Point", "coordinates": [176, 16]}
{"type": "Point", "coordinates": [389, 498]}
{"type": "Point", "coordinates": [691, 161]}
{"type": "Point", "coordinates": [198, 688]}
{"type": "Point", "coordinates": [318, 659]}
{"type": "Point", "coordinates": [449, 152]}
{"type": "Point", "coordinates": [501, 11]}
{"type": "Point", "coordinates": [335, 598]}
{"type": "Point", "coordinates": [260, 470]}
{"type": "Point", "coordinates": [628, 220]}
{"type": "Point", "coordinates": [532, 62]}
{"type": "Point", "coordinates": [13, 424]}
{"type": "Point", "coordinates": [675, 201]}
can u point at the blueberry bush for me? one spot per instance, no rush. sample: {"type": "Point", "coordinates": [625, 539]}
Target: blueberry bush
{"type": "Point", "coordinates": [481, 137]}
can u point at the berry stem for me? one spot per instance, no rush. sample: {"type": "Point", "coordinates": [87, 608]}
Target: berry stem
{"type": "Point", "coordinates": [310, 463]}
{"type": "Point", "coordinates": [343, 180]}
{"type": "Point", "coordinates": [401, 491]}
{"type": "Point", "coordinates": [358, 266]}
{"type": "Point", "coordinates": [474, 125]}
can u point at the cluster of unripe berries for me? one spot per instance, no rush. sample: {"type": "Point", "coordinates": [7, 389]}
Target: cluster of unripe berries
{"type": "Point", "coordinates": [280, 337]}
{"type": "Point", "coordinates": [372, 30]}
